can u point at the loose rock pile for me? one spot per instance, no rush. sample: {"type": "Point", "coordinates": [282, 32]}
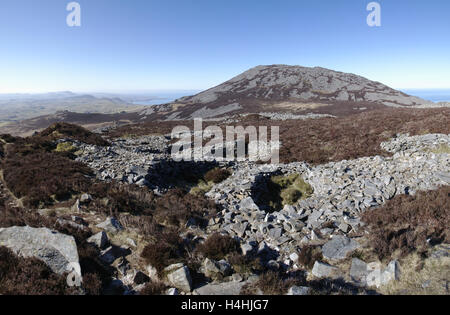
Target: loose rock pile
{"type": "Point", "coordinates": [330, 217]}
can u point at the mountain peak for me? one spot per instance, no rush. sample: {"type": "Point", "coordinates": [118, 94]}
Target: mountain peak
{"type": "Point", "coordinates": [293, 88]}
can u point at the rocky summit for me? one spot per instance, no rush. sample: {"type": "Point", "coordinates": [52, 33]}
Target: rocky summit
{"type": "Point", "coordinates": [292, 88]}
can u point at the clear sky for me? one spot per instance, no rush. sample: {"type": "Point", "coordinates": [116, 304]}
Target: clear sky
{"type": "Point", "coordinates": [136, 45]}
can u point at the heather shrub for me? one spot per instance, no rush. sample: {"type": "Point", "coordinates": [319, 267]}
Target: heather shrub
{"type": "Point", "coordinates": [112, 198]}
{"type": "Point", "coordinates": [410, 223]}
{"type": "Point", "coordinates": [154, 288]}
{"type": "Point", "coordinates": [352, 136]}
{"type": "Point", "coordinates": [96, 276]}
{"type": "Point", "coordinates": [271, 283]}
{"type": "Point", "coordinates": [217, 175]}
{"type": "Point", "coordinates": [166, 250]}
{"type": "Point", "coordinates": [29, 276]}
{"type": "Point", "coordinates": [218, 246]}
{"type": "Point", "coordinates": [309, 255]}
{"type": "Point", "coordinates": [64, 130]}
{"type": "Point", "coordinates": [43, 178]}
{"type": "Point", "coordinates": [245, 264]}
{"type": "Point", "coordinates": [177, 207]}
{"type": "Point", "coordinates": [8, 138]}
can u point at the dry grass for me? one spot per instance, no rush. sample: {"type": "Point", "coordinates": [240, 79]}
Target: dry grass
{"type": "Point", "coordinates": [154, 288]}
{"type": "Point", "coordinates": [309, 255]}
{"type": "Point", "coordinates": [421, 276]}
{"type": "Point", "coordinates": [274, 192]}
{"type": "Point", "coordinates": [442, 149]}
{"type": "Point", "coordinates": [217, 175]}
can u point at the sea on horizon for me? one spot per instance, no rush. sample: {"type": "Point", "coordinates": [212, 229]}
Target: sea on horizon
{"type": "Point", "coordinates": [430, 95]}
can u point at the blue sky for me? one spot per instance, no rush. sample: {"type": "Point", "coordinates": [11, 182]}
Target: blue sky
{"type": "Point", "coordinates": [137, 45]}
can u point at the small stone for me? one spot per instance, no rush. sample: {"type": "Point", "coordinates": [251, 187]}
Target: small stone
{"type": "Point", "coordinates": [100, 240]}
{"type": "Point", "coordinates": [247, 249]}
{"type": "Point", "coordinates": [273, 265]}
{"type": "Point", "coordinates": [322, 270]}
{"type": "Point", "coordinates": [344, 227]}
{"type": "Point", "coordinates": [76, 207]}
{"type": "Point", "coordinates": [391, 273]}
{"type": "Point", "coordinates": [110, 254]}
{"type": "Point", "coordinates": [297, 290]}
{"type": "Point", "coordinates": [226, 288]}
{"type": "Point", "coordinates": [237, 277]}
{"type": "Point", "coordinates": [248, 204]}
{"type": "Point", "coordinates": [153, 273]}
{"type": "Point", "coordinates": [293, 257]}
{"type": "Point", "coordinates": [85, 198]}
{"type": "Point", "coordinates": [110, 225]}
{"type": "Point", "coordinates": [172, 291]}
{"type": "Point", "coordinates": [275, 233]}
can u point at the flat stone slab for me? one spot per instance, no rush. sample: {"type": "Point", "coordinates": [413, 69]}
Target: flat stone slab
{"type": "Point", "coordinates": [226, 288]}
{"type": "Point", "coordinates": [322, 270]}
{"type": "Point", "coordinates": [339, 247]}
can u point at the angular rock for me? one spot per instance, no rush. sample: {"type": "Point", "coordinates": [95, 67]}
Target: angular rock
{"type": "Point", "coordinates": [322, 270]}
{"type": "Point", "coordinates": [58, 251]}
{"type": "Point", "coordinates": [85, 198]}
{"type": "Point", "coordinates": [226, 288]}
{"type": "Point", "coordinates": [275, 233]}
{"type": "Point", "coordinates": [339, 247]}
{"type": "Point", "coordinates": [179, 277]}
{"type": "Point", "coordinates": [378, 277]}
{"type": "Point", "coordinates": [110, 225]}
{"type": "Point", "coordinates": [391, 273]}
{"type": "Point", "coordinates": [110, 254]}
{"type": "Point", "coordinates": [100, 240]}
{"type": "Point", "coordinates": [358, 271]}
{"type": "Point", "coordinates": [247, 249]}
{"type": "Point", "coordinates": [172, 291]}
{"type": "Point", "coordinates": [296, 290]}
{"type": "Point", "coordinates": [248, 204]}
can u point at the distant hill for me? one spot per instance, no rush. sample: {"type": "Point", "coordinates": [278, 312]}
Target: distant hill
{"type": "Point", "coordinates": [17, 107]}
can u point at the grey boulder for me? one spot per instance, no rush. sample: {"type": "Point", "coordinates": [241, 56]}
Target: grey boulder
{"type": "Point", "coordinates": [179, 277]}
{"type": "Point", "coordinates": [58, 251]}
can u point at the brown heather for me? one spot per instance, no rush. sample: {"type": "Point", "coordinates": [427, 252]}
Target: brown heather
{"type": "Point", "coordinates": [410, 223]}
{"type": "Point", "coordinates": [64, 130]}
{"type": "Point", "coordinates": [328, 139]}
{"type": "Point", "coordinates": [218, 246]}
{"type": "Point", "coordinates": [29, 276]}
